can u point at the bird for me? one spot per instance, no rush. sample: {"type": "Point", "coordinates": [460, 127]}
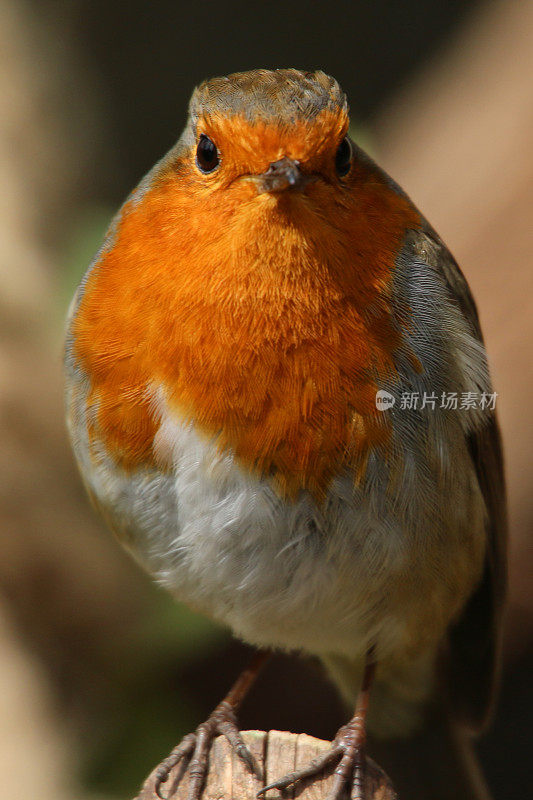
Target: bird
{"type": "Point", "coordinates": [278, 398]}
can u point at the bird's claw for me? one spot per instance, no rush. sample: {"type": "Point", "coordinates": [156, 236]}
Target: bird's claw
{"type": "Point", "coordinates": [197, 745]}
{"type": "Point", "coordinates": [183, 749]}
{"type": "Point", "coordinates": [348, 749]}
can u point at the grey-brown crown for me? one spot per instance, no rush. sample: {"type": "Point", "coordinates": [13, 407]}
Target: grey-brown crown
{"type": "Point", "coordinates": [281, 94]}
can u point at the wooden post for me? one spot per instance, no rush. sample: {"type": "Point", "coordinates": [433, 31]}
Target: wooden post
{"type": "Point", "coordinates": [276, 754]}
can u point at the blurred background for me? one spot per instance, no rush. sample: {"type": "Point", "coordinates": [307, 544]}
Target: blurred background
{"type": "Point", "coordinates": [100, 673]}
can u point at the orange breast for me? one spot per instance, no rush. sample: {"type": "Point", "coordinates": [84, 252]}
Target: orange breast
{"type": "Point", "coordinates": [266, 320]}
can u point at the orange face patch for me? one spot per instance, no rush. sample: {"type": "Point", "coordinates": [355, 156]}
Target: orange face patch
{"type": "Point", "coordinates": [265, 318]}
{"type": "Point", "coordinates": [248, 149]}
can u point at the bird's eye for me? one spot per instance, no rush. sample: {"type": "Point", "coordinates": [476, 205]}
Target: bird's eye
{"type": "Point", "coordinates": [206, 154]}
{"type": "Point", "coordinates": [343, 157]}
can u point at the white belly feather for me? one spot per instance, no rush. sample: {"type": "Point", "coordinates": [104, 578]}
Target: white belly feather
{"type": "Point", "coordinates": [369, 565]}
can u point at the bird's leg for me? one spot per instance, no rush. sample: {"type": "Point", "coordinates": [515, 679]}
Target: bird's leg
{"type": "Point", "coordinates": [353, 741]}
{"type": "Point", "coordinates": [221, 721]}
{"type": "Point", "coordinates": [348, 748]}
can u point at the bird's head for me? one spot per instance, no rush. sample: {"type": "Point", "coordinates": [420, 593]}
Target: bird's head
{"type": "Point", "coordinates": [268, 132]}
{"type": "Point", "coordinates": [266, 173]}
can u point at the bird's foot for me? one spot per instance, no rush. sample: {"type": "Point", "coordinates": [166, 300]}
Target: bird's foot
{"type": "Point", "coordinates": [196, 746]}
{"type": "Point", "coordinates": [348, 749]}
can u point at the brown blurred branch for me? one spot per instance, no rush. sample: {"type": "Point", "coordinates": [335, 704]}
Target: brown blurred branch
{"type": "Point", "coordinates": [276, 754]}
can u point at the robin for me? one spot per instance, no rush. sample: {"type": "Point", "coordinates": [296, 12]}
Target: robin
{"type": "Point", "coordinates": [279, 400]}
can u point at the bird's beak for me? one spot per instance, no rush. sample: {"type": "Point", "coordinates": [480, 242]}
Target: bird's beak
{"type": "Point", "coordinates": [282, 175]}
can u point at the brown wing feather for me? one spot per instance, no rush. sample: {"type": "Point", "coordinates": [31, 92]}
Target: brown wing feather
{"type": "Point", "coordinates": [476, 637]}
{"type": "Point", "coordinates": [474, 652]}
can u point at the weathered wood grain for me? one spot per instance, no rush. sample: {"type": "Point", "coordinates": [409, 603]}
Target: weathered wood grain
{"type": "Point", "coordinates": [276, 753]}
